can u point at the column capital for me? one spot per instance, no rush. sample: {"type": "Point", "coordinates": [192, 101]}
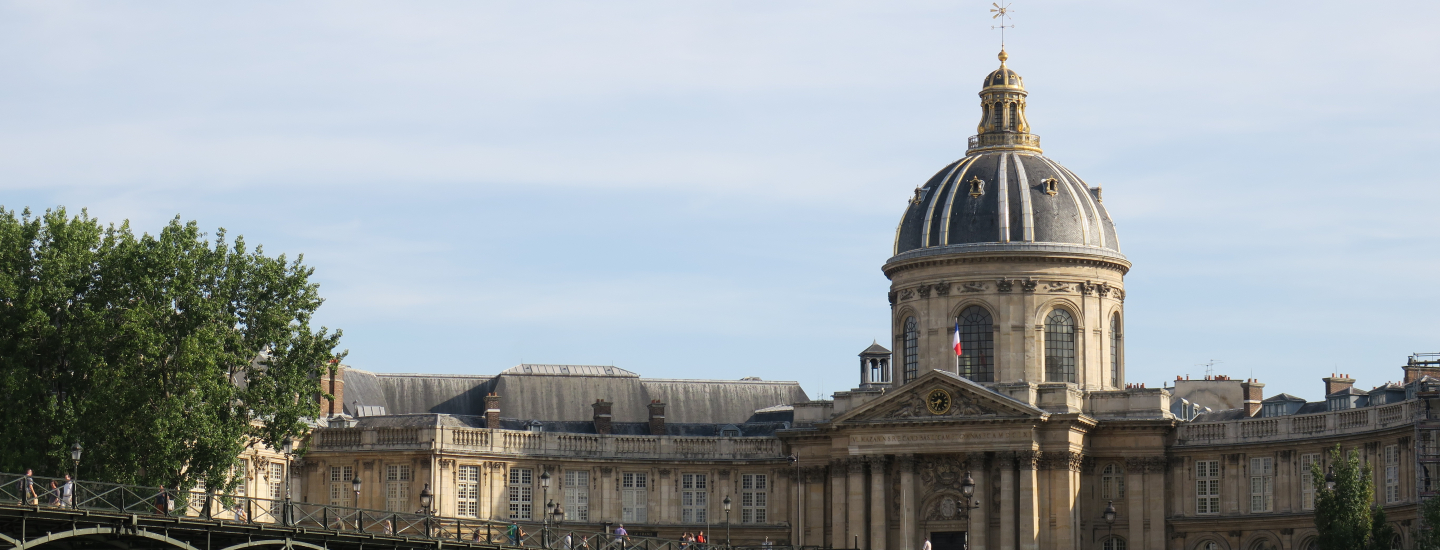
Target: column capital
{"type": "Point", "coordinates": [905, 463]}
{"type": "Point", "coordinates": [856, 465]}
{"type": "Point", "coordinates": [1005, 460]}
{"type": "Point", "coordinates": [1027, 460]}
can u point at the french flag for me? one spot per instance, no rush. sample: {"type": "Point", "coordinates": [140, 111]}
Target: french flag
{"type": "Point", "coordinates": [956, 340]}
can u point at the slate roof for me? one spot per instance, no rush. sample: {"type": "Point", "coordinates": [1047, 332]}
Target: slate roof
{"type": "Point", "coordinates": [1282, 397]}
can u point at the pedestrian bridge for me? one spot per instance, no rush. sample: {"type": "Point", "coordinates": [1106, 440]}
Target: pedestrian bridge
{"type": "Point", "coordinates": [130, 517]}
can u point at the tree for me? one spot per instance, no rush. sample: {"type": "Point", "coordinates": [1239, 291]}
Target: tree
{"type": "Point", "coordinates": [1344, 515]}
{"type": "Point", "coordinates": [164, 355]}
{"type": "Point", "coordinates": [1428, 536]}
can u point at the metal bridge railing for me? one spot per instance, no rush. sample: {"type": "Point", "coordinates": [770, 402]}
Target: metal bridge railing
{"type": "Point", "coordinates": [152, 501]}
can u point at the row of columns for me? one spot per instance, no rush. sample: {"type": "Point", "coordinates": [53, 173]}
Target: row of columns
{"type": "Point", "coordinates": [1038, 503]}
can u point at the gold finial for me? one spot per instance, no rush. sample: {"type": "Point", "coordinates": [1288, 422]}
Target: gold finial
{"type": "Point", "coordinates": [1003, 56]}
{"type": "Point", "coordinates": [1002, 13]}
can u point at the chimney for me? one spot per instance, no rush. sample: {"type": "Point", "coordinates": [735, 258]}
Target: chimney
{"type": "Point", "coordinates": [1337, 383]}
{"type": "Point", "coordinates": [657, 417]}
{"type": "Point", "coordinates": [492, 411]}
{"type": "Point", "coordinates": [1253, 392]}
{"type": "Point", "coordinates": [335, 386]}
{"type": "Point", "coordinates": [602, 416]}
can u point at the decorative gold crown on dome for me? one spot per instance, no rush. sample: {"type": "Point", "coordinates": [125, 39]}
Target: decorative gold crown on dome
{"type": "Point", "coordinates": [1003, 126]}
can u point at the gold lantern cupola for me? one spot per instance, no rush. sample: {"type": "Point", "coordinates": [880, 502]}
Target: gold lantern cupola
{"type": "Point", "coordinates": [1002, 122]}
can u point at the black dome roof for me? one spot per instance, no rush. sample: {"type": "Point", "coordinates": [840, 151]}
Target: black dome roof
{"type": "Point", "coordinates": [1006, 200]}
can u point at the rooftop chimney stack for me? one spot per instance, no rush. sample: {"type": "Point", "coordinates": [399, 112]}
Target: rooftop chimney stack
{"type": "Point", "coordinates": [1254, 393]}
{"type": "Point", "coordinates": [492, 411]}
{"type": "Point", "coordinates": [1337, 383]}
{"type": "Point", "coordinates": [657, 417]}
{"type": "Point", "coordinates": [602, 416]}
{"type": "Point", "coordinates": [335, 386]}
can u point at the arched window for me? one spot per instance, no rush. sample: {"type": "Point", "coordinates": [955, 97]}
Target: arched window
{"type": "Point", "coordinates": [1112, 483]}
{"type": "Point", "coordinates": [912, 346]}
{"type": "Point", "coordinates": [1059, 347]}
{"type": "Point", "coordinates": [1114, 543]}
{"type": "Point", "coordinates": [1115, 350]}
{"type": "Point", "coordinates": [977, 345]}
{"type": "Point", "coordinates": [1210, 545]}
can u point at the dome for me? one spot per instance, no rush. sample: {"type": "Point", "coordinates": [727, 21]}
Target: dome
{"type": "Point", "coordinates": [1005, 195]}
{"type": "Point", "coordinates": [1009, 200]}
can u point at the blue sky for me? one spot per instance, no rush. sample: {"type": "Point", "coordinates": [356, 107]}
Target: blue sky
{"type": "Point", "coordinates": [708, 189]}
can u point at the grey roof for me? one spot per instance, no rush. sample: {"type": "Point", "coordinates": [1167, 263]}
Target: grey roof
{"type": "Point", "coordinates": [1312, 407]}
{"type": "Point", "coordinates": [569, 370]}
{"type": "Point", "coordinates": [1221, 416]}
{"type": "Point", "coordinates": [949, 212]}
{"type": "Point", "coordinates": [1282, 397]}
{"type": "Point", "coordinates": [1352, 390]}
{"type": "Point", "coordinates": [561, 396]}
{"type": "Point", "coordinates": [875, 348]}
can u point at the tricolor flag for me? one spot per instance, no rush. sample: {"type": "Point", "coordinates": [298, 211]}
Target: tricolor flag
{"type": "Point", "coordinates": [957, 339]}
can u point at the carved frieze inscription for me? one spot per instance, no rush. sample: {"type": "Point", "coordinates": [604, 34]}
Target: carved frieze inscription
{"type": "Point", "coordinates": [944, 437]}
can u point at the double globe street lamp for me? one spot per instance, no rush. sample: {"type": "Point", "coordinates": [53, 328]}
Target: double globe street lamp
{"type": "Point", "coordinates": [726, 504]}
{"type": "Point", "coordinates": [967, 490]}
{"type": "Point", "coordinates": [1109, 516]}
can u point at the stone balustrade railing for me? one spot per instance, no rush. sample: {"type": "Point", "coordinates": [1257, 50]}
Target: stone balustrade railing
{"type": "Point", "coordinates": [553, 444]}
{"type": "Point", "coordinates": [1307, 426]}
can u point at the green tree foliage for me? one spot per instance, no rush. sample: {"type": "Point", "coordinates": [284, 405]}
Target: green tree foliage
{"type": "Point", "coordinates": [164, 355]}
{"type": "Point", "coordinates": [1428, 537]}
{"type": "Point", "coordinates": [1346, 516]}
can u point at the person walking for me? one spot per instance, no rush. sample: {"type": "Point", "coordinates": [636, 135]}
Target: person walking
{"type": "Point", "coordinates": [622, 536]}
{"type": "Point", "coordinates": [67, 493]}
{"type": "Point", "coordinates": [569, 542]}
{"type": "Point", "coordinates": [162, 502]}
{"type": "Point", "coordinates": [27, 489]}
{"type": "Point", "coordinates": [515, 533]}
{"type": "Point", "coordinates": [926, 546]}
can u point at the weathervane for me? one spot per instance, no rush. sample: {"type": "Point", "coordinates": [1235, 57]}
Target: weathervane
{"type": "Point", "coordinates": [1002, 13]}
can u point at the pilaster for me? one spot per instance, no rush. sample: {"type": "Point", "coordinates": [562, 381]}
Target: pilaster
{"type": "Point", "coordinates": [877, 503]}
{"type": "Point", "coordinates": [906, 465]}
{"type": "Point", "coordinates": [1029, 512]}
{"type": "Point", "coordinates": [1006, 462]}
{"type": "Point", "coordinates": [855, 504]}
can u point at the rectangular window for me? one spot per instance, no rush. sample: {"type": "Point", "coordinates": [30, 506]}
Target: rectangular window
{"type": "Point", "coordinates": [1392, 474]}
{"type": "Point", "coordinates": [520, 491]}
{"type": "Point", "coordinates": [467, 492]}
{"type": "Point", "coordinates": [694, 498]}
{"type": "Point", "coordinates": [340, 491]}
{"type": "Point", "coordinates": [1112, 483]}
{"type": "Point", "coordinates": [577, 495]}
{"type": "Point", "coordinates": [1262, 484]}
{"type": "Point", "coordinates": [241, 471]}
{"type": "Point", "coordinates": [753, 492]}
{"type": "Point", "coordinates": [1307, 482]}
{"type": "Point", "coordinates": [1207, 487]}
{"type": "Point", "coordinates": [275, 478]}
{"type": "Point", "coordinates": [634, 495]}
{"type": "Point", "coordinates": [397, 487]}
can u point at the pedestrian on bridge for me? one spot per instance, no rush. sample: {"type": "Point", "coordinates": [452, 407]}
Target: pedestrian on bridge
{"type": "Point", "coordinates": [67, 493]}
{"type": "Point", "coordinates": [162, 502]}
{"type": "Point", "coordinates": [27, 489]}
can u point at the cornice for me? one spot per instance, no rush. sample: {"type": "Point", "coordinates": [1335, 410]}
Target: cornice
{"type": "Point", "coordinates": [939, 256]}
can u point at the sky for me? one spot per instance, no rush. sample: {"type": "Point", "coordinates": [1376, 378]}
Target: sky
{"type": "Point", "coordinates": [707, 189]}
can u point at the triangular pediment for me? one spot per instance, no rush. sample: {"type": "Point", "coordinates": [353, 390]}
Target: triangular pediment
{"type": "Point", "coordinates": [940, 395]}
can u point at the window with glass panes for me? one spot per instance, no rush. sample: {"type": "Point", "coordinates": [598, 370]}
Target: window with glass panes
{"type": "Point", "coordinates": [521, 490]}
{"type": "Point", "coordinates": [397, 487]}
{"type": "Point", "coordinates": [977, 345]}
{"type": "Point", "coordinates": [1262, 484]}
{"type": "Point", "coordinates": [634, 496]}
{"type": "Point", "coordinates": [1207, 486]}
{"type": "Point", "coordinates": [912, 349]}
{"type": "Point", "coordinates": [467, 491]}
{"type": "Point", "coordinates": [694, 498]}
{"type": "Point", "coordinates": [1307, 482]}
{"type": "Point", "coordinates": [577, 495]}
{"type": "Point", "coordinates": [754, 490]}
{"type": "Point", "coordinates": [1059, 346]}
{"type": "Point", "coordinates": [340, 491]}
{"type": "Point", "coordinates": [1114, 543]}
{"type": "Point", "coordinates": [242, 471]}
{"type": "Point", "coordinates": [275, 478]}
{"type": "Point", "coordinates": [1115, 350]}
{"type": "Point", "coordinates": [1112, 482]}
{"type": "Point", "coordinates": [1392, 474]}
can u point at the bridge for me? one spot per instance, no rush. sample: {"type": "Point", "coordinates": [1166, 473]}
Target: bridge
{"type": "Point", "coordinates": [111, 516]}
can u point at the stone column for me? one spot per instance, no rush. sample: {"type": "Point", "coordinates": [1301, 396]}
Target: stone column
{"type": "Point", "coordinates": [1063, 496]}
{"type": "Point", "coordinates": [906, 465]}
{"type": "Point", "coordinates": [1155, 501]}
{"type": "Point", "coordinates": [1029, 512]}
{"type": "Point", "coordinates": [855, 504]}
{"type": "Point", "coordinates": [837, 504]}
{"type": "Point", "coordinates": [797, 507]}
{"type": "Point", "coordinates": [975, 462]}
{"type": "Point", "coordinates": [1135, 500]}
{"type": "Point", "coordinates": [877, 503]}
{"type": "Point", "coordinates": [815, 505]}
{"type": "Point", "coordinates": [1006, 462]}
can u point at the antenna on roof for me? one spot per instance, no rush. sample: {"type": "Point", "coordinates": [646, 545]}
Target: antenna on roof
{"type": "Point", "coordinates": [1002, 13]}
{"type": "Point", "coordinates": [1210, 368]}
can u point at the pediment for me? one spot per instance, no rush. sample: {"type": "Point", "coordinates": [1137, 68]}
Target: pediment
{"type": "Point", "coordinates": [925, 399]}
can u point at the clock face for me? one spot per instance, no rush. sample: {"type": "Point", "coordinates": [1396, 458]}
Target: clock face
{"type": "Point", "coordinates": [938, 401]}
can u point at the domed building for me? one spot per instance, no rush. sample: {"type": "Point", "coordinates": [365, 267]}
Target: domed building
{"type": "Point", "coordinates": [1001, 420]}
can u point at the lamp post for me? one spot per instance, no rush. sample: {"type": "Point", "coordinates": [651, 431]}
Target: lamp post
{"type": "Point", "coordinates": [289, 448]}
{"type": "Point", "coordinates": [1330, 479]}
{"type": "Point", "coordinates": [1109, 516]}
{"type": "Point", "coordinates": [967, 490]}
{"type": "Point", "coordinates": [355, 484]}
{"type": "Point", "coordinates": [726, 504]}
{"type": "Point", "coordinates": [75, 479]}
{"type": "Point", "coordinates": [545, 495]}
{"type": "Point", "coordinates": [426, 498]}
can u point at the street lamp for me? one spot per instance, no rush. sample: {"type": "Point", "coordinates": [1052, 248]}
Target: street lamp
{"type": "Point", "coordinates": [1330, 479]}
{"type": "Point", "coordinates": [545, 519]}
{"type": "Point", "coordinates": [425, 499]}
{"type": "Point", "coordinates": [967, 490]}
{"type": "Point", "coordinates": [726, 504]}
{"type": "Point", "coordinates": [75, 483]}
{"type": "Point", "coordinates": [1109, 515]}
{"type": "Point", "coordinates": [289, 448]}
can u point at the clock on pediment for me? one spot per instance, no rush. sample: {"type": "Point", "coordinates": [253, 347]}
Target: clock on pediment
{"type": "Point", "coordinates": [938, 401]}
